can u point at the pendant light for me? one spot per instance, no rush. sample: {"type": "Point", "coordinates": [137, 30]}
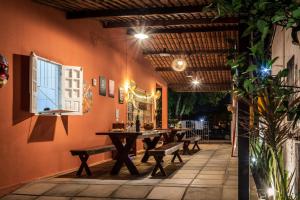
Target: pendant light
{"type": "Point", "coordinates": [179, 64]}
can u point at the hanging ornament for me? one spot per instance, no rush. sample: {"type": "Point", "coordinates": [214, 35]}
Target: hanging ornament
{"type": "Point", "coordinates": [87, 98]}
{"type": "Point", "coordinates": [179, 64]}
{"type": "Point", "coordinates": [3, 71]}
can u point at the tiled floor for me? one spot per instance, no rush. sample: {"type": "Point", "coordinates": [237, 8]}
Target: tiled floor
{"type": "Point", "coordinates": [210, 174]}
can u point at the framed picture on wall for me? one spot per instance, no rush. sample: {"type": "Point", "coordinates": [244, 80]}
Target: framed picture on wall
{"type": "Point", "coordinates": [121, 95]}
{"type": "Point", "coordinates": [111, 88]}
{"type": "Point", "coordinates": [102, 86]}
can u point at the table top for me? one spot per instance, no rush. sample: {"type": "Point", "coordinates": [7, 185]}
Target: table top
{"type": "Point", "coordinates": [174, 129]}
{"type": "Point", "coordinates": [141, 134]}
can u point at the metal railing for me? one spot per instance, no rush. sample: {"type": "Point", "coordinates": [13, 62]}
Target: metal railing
{"type": "Point", "coordinates": [199, 128]}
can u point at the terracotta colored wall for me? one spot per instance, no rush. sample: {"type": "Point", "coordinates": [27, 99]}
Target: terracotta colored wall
{"type": "Point", "coordinates": [31, 146]}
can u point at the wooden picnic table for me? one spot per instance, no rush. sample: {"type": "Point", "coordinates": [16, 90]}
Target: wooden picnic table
{"type": "Point", "coordinates": [169, 135]}
{"type": "Point", "coordinates": [150, 139]}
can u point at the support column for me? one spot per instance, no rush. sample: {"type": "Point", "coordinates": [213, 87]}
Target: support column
{"type": "Point", "coordinates": [243, 151]}
{"type": "Point", "coordinates": [243, 132]}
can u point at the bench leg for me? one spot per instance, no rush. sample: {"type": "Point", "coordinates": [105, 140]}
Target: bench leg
{"type": "Point", "coordinates": [186, 149]}
{"type": "Point", "coordinates": [176, 154]}
{"type": "Point", "coordinates": [150, 145]}
{"type": "Point", "coordinates": [84, 158]}
{"type": "Point", "coordinates": [196, 145]}
{"type": "Point", "coordinates": [158, 165]}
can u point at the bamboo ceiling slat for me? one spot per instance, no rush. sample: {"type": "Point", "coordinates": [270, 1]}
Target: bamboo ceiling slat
{"type": "Point", "coordinates": [172, 42]}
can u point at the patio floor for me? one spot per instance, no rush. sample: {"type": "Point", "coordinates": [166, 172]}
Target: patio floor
{"type": "Point", "coordinates": [210, 174]}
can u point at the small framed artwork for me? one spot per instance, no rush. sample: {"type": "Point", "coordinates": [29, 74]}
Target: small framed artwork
{"type": "Point", "coordinates": [102, 86]}
{"type": "Point", "coordinates": [121, 95]}
{"type": "Point", "coordinates": [111, 88]}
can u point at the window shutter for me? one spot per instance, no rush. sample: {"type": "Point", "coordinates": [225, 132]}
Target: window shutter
{"type": "Point", "coordinates": [33, 83]}
{"type": "Point", "coordinates": [72, 86]}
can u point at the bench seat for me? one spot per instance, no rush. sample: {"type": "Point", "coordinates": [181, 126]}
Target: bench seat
{"type": "Point", "coordinates": [84, 154]}
{"type": "Point", "coordinates": [160, 152]}
{"type": "Point", "coordinates": [191, 140]}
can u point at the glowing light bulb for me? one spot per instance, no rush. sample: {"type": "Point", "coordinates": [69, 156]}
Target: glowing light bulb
{"type": "Point", "coordinates": [126, 86]}
{"type": "Point", "coordinates": [180, 62]}
{"type": "Point", "coordinates": [253, 159]}
{"type": "Point", "coordinates": [195, 82]}
{"type": "Point", "coordinates": [141, 36]}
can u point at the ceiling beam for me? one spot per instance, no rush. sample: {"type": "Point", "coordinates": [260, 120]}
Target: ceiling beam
{"type": "Point", "coordinates": [202, 90]}
{"type": "Point", "coordinates": [195, 52]}
{"type": "Point", "coordinates": [148, 23]}
{"type": "Point", "coordinates": [133, 12]}
{"type": "Point", "coordinates": [186, 30]}
{"type": "Point", "coordinates": [194, 69]}
{"type": "Point", "coordinates": [201, 85]}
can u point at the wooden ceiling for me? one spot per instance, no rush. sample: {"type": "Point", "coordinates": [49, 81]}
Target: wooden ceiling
{"type": "Point", "coordinates": [177, 28]}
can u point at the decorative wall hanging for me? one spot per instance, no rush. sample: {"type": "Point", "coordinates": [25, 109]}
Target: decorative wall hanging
{"type": "Point", "coordinates": [87, 98]}
{"type": "Point", "coordinates": [102, 87]}
{"type": "Point", "coordinates": [111, 88]}
{"type": "Point", "coordinates": [3, 71]}
{"type": "Point", "coordinates": [94, 82]}
{"type": "Point", "coordinates": [121, 95]}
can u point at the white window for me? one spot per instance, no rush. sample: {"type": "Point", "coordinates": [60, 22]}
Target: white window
{"type": "Point", "coordinates": [55, 88]}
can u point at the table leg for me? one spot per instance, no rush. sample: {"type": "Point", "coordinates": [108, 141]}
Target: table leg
{"type": "Point", "coordinates": [186, 149]}
{"type": "Point", "coordinates": [123, 155]}
{"type": "Point", "coordinates": [180, 136]}
{"type": "Point", "coordinates": [150, 144]}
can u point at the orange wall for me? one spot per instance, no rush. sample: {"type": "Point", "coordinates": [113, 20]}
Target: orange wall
{"type": "Point", "coordinates": [31, 146]}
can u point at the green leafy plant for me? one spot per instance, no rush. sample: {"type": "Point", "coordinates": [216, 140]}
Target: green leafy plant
{"type": "Point", "coordinates": [272, 105]}
{"type": "Point", "coordinates": [269, 96]}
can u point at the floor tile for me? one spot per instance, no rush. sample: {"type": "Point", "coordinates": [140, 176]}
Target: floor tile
{"type": "Point", "coordinates": [210, 176]}
{"type": "Point", "coordinates": [168, 193]}
{"type": "Point", "coordinates": [18, 197]}
{"type": "Point", "coordinates": [35, 188]}
{"type": "Point", "coordinates": [184, 176]}
{"type": "Point", "coordinates": [53, 198]}
{"type": "Point", "coordinates": [207, 182]}
{"type": "Point", "coordinates": [229, 194]}
{"type": "Point", "coordinates": [90, 198]}
{"type": "Point", "coordinates": [98, 191]}
{"type": "Point", "coordinates": [144, 182]}
{"type": "Point", "coordinates": [212, 172]}
{"type": "Point", "coordinates": [66, 190]}
{"type": "Point", "coordinates": [203, 194]}
{"type": "Point", "coordinates": [177, 181]}
{"type": "Point", "coordinates": [187, 171]}
{"type": "Point", "coordinates": [132, 191]}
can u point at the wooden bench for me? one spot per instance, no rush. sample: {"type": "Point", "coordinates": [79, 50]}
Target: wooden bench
{"type": "Point", "coordinates": [85, 153]}
{"type": "Point", "coordinates": [190, 140]}
{"type": "Point", "coordinates": [160, 152]}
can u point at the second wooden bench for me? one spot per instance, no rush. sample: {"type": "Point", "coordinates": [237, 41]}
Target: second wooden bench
{"type": "Point", "coordinates": [160, 152]}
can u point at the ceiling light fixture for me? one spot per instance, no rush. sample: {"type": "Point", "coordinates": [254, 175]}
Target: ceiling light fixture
{"type": "Point", "coordinates": [164, 53]}
{"type": "Point", "coordinates": [195, 82]}
{"type": "Point", "coordinates": [179, 64]}
{"type": "Point", "coordinates": [141, 36]}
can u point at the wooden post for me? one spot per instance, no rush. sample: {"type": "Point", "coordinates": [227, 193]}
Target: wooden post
{"type": "Point", "coordinates": [243, 134]}
{"type": "Point", "coordinates": [243, 152]}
